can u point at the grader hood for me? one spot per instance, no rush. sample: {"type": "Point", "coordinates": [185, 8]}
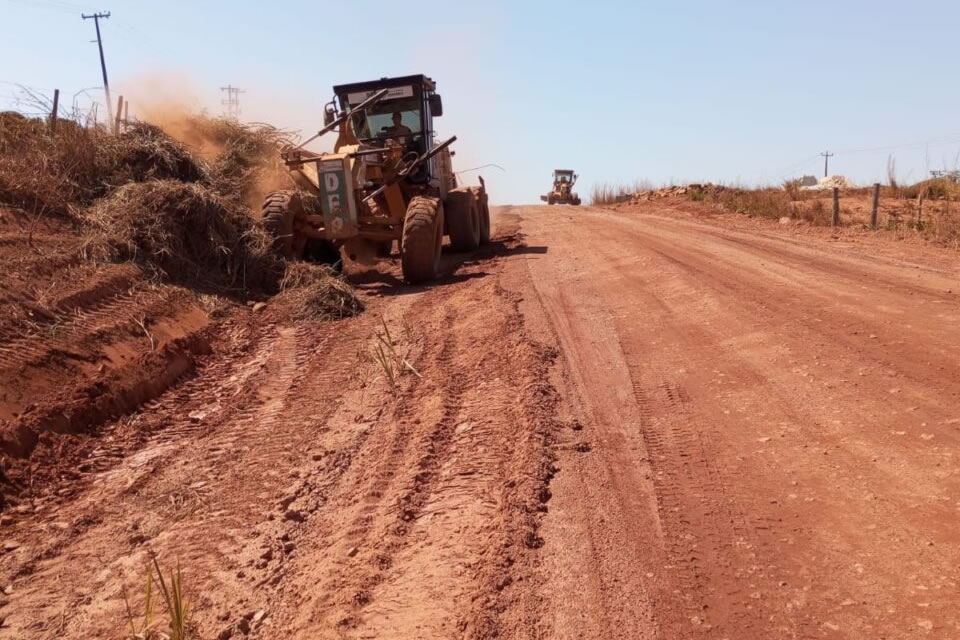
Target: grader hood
{"type": "Point", "coordinates": [331, 177]}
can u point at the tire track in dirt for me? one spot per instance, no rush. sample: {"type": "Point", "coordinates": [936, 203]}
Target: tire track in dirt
{"type": "Point", "coordinates": [768, 479]}
{"type": "Point", "coordinates": [428, 518]}
{"type": "Point", "coordinates": [702, 531]}
{"type": "Point", "coordinates": [681, 260]}
{"type": "Point", "coordinates": [106, 344]}
{"type": "Point", "coordinates": [834, 324]}
{"type": "Point", "coordinates": [221, 443]}
{"type": "Point", "coordinates": [378, 498]}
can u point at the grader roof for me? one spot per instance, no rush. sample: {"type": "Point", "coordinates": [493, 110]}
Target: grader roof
{"type": "Point", "coordinates": [418, 79]}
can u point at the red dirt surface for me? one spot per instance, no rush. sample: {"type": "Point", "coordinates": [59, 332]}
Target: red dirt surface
{"type": "Point", "coordinates": [606, 425]}
{"type": "Point", "coordinates": [81, 342]}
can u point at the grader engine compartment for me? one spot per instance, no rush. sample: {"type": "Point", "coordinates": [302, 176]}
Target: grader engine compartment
{"type": "Point", "coordinates": [387, 180]}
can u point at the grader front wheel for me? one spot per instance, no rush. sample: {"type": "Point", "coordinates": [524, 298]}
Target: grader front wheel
{"type": "Point", "coordinates": [422, 239]}
{"type": "Point", "coordinates": [278, 217]}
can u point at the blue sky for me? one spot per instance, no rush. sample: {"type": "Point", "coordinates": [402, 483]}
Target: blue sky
{"type": "Point", "coordinates": [746, 92]}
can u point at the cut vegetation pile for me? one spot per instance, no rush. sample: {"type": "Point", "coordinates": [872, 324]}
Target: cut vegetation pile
{"type": "Point", "coordinates": [42, 174]}
{"type": "Point", "coordinates": [144, 152]}
{"type": "Point", "coordinates": [181, 205]}
{"type": "Point", "coordinates": [183, 231]}
{"type": "Point", "coordinates": [318, 292]}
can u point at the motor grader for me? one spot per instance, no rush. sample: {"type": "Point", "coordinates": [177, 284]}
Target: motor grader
{"type": "Point", "coordinates": [387, 179]}
{"type": "Point", "coordinates": [562, 193]}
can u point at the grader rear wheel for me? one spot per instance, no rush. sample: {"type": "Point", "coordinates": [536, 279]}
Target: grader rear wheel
{"type": "Point", "coordinates": [483, 212]}
{"type": "Point", "coordinates": [463, 220]}
{"type": "Point", "coordinates": [422, 239]}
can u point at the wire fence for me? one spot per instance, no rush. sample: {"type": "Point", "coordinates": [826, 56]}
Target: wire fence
{"type": "Point", "coordinates": [82, 107]}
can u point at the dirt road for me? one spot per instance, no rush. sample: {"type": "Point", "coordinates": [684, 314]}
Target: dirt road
{"type": "Point", "coordinates": [605, 426]}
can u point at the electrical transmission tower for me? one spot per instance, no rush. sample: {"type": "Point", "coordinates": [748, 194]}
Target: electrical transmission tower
{"type": "Point", "coordinates": [232, 101]}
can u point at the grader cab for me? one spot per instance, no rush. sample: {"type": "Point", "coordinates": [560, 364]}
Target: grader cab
{"type": "Point", "coordinates": [387, 179]}
{"type": "Point", "coordinates": [562, 192]}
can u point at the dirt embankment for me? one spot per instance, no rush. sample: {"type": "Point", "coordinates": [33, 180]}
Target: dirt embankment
{"type": "Point", "coordinates": [927, 212]}
{"type": "Point", "coordinates": [122, 257]}
{"type": "Point", "coordinates": [383, 476]}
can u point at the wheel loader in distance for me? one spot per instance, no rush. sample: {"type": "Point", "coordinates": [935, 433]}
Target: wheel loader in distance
{"type": "Point", "coordinates": [562, 193]}
{"type": "Point", "coordinates": [388, 179]}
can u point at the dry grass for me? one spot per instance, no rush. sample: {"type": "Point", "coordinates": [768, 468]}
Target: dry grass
{"type": "Point", "coordinates": [607, 193]}
{"type": "Point", "coordinates": [78, 165]}
{"type": "Point", "coordinates": [144, 152]}
{"type": "Point", "coordinates": [183, 231]}
{"type": "Point", "coordinates": [318, 292]}
{"type": "Point", "coordinates": [762, 203]}
{"type": "Point", "coordinates": [933, 189]}
{"type": "Point", "coordinates": [944, 227]}
{"type": "Point", "coordinates": [151, 198]}
{"type": "Point", "coordinates": [42, 174]}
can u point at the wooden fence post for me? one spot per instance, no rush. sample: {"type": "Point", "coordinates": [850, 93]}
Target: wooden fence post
{"type": "Point", "coordinates": [54, 113]}
{"type": "Point", "coordinates": [876, 205]}
{"type": "Point", "coordinates": [836, 206]}
{"type": "Point", "coordinates": [116, 124]}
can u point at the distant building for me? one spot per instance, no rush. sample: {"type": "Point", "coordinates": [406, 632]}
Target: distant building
{"type": "Point", "coordinates": [949, 175]}
{"type": "Point", "coordinates": [808, 181]}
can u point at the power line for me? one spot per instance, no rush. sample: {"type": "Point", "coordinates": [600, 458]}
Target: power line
{"type": "Point", "coordinates": [103, 65]}
{"type": "Point", "coordinates": [799, 164]}
{"type": "Point", "coordinates": [952, 138]}
{"type": "Point", "coordinates": [53, 5]}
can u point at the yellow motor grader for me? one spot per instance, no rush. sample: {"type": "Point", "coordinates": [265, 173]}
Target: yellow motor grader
{"type": "Point", "coordinates": [562, 193]}
{"type": "Point", "coordinates": [388, 179]}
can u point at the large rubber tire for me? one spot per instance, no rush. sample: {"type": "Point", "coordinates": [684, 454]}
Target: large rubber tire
{"type": "Point", "coordinates": [422, 239]}
{"type": "Point", "coordinates": [483, 207]}
{"type": "Point", "coordinates": [280, 209]}
{"type": "Point", "coordinates": [463, 220]}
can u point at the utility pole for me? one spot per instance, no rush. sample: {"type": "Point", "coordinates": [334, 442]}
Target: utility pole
{"type": "Point", "coordinates": [56, 111]}
{"type": "Point", "coordinates": [232, 101]}
{"type": "Point", "coordinates": [826, 160]}
{"type": "Point", "coordinates": [103, 65]}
